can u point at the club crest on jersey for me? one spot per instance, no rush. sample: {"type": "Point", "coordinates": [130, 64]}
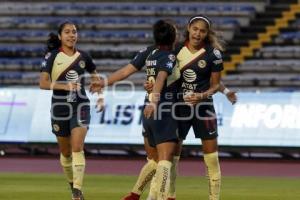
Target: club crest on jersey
{"type": "Point", "coordinates": [47, 55]}
{"type": "Point", "coordinates": [55, 127]}
{"type": "Point", "coordinates": [172, 57]}
{"type": "Point", "coordinates": [82, 64]}
{"type": "Point", "coordinates": [217, 53]}
{"type": "Point", "coordinates": [202, 63]}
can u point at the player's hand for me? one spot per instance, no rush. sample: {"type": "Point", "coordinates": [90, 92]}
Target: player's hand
{"type": "Point", "coordinates": [193, 98]}
{"type": "Point", "coordinates": [100, 105]}
{"type": "Point", "coordinates": [97, 86]}
{"type": "Point", "coordinates": [149, 110]}
{"type": "Point", "coordinates": [232, 97]}
{"type": "Point", "coordinates": [148, 86]}
{"type": "Point", "coordinates": [72, 86]}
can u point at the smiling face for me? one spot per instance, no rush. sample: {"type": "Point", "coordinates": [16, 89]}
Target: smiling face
{"type": "Point", "coordinates": [68, 36]}
{"type": "Point", "coordinates": [198, 31]}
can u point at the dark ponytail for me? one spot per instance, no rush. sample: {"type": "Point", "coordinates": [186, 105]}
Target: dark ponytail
{"type": "Point", "coordinates": [53, 42]}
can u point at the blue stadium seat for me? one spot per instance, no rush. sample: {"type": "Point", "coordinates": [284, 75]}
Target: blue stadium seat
{"type": "Point", "coordinates": [33, 21]}
{"type": "Point", "coordinates": [137, 7]}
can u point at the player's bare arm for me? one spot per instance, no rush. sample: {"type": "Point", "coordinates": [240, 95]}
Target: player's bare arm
{"type": "Point", "coordinates": [46, 84]}
{"type": "Point", "coordinates": [118, 75]}
{"type": "Point", "coordinates": [157, 87]}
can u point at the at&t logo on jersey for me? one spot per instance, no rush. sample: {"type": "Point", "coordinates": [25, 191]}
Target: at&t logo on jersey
{"type": "Point", "coordinates": [72, 76]}
{"type": "Point", "coordinates": [189, 75]}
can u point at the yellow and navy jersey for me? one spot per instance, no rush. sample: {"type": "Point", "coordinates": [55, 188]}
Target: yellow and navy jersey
{"type": "Point", "coordinates": [196, 68]}
{"type": "Point", "coordinates": [64, 68]}
{"type": "Point", "coordinates": [156, 60]}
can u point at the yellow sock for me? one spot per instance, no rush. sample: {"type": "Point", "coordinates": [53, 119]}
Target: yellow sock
{"type": "Point", "coordinates": [78, 169]}
{"type": "Point", "coordinates": [153, 189]}
{"type": "Point", "coordinates": [163, 179]}
{"type": "Point", "coordinates": [66, 163]}
{"type": "Point", "coordinates": [172, 191]}
{"type": "Point", "coordinates": [214, 175]}
{"type": "Point", "coordinates": [145, 176]}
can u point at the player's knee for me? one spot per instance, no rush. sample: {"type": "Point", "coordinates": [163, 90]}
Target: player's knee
{"type": "Point", "coordinates": [152, 162]}
{"type": "Point", "coordinates": [152, 156]}
{"type": "Point", "coordinates": [65, 161]}
{"type": "Point", "coordinates": [66, 151]}
{"type": "Point", "coordinates": [151, 153]}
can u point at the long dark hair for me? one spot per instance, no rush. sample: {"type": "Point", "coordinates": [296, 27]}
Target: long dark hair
{"type": "Point", "coordinates": [212, 37]}
{"type": "Point", "coordinates": [164, 33]}
{"type": "Point", "coordinates": [53, 42]}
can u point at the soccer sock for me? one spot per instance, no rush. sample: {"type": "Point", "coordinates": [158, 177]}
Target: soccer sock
{"type": "Point", "coordinates": [145, 176]}
{"type": "Point", "coordinates": [163, 172]}
{"type": "Point", "coordinates": [66, 163]}
{"type": "Point", "coordinates": [78, 169]}
{"type": "Point", "coordinates": [153, 190]}
{"type": "Point", "coordinates": [214, 175]}
{"type": "Point", "coordinates": [172, 191]}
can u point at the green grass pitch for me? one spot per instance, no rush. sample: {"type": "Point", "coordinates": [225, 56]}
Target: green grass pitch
{"type": "Point", "coordinates": [16, 186]}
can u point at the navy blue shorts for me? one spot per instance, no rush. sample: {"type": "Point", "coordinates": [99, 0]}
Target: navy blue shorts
{"type": "Point", "coordinates": [203, 120]}
{"type": "Point", "coordinates": [160, 130]}
{"type": "Point", "coordinates": [63, 124]}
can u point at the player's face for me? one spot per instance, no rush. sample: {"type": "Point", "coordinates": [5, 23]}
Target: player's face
{"type": "Point", "coordinates": [198, 31]}
{"type": "Point", "coordinates": [69, 36]}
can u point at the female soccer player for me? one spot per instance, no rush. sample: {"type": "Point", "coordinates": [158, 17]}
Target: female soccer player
{"type": "Point", "coordinates": [159, 127]}
{"type": "Point", "coordinates": [62, 71]}
{"type": "Point", "coordinates": [200, 61]}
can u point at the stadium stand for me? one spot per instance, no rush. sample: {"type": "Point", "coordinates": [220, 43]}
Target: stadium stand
{"type": "Point", "coordinates": [262, 36]}
{"type": "Point", "coordinates": [111, 32]}
{"type": "Point", "coordinates": [266, 55]}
